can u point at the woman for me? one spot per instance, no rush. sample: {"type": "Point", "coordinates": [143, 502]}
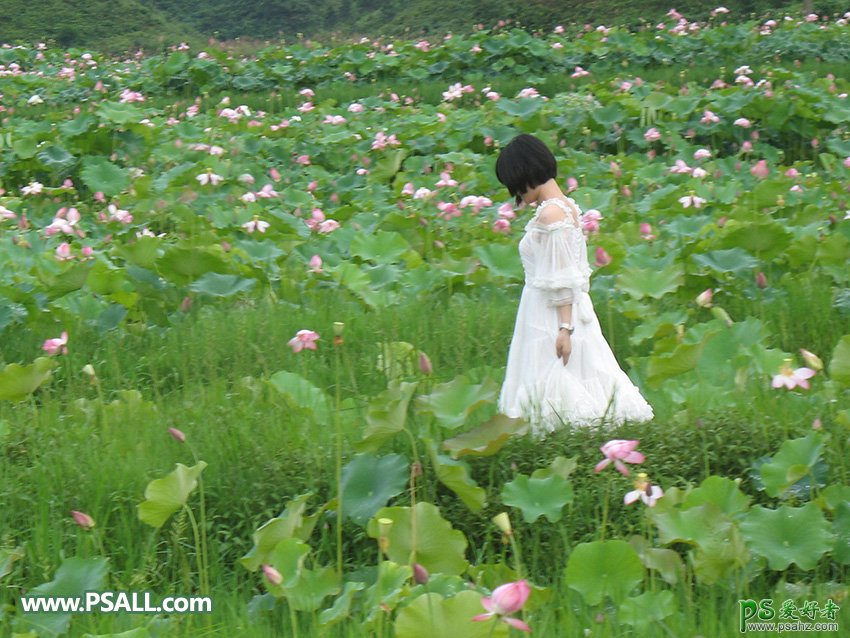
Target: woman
{"type": "Point", "coordinates": [561, 370]}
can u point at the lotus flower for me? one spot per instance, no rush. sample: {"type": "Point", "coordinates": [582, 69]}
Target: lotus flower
{"type": "Point", "coordinates": [792, 378]}
{"type": "Point", "coordinates": [82, 519]}
{"type": "Point", "coordinates": [760, 170]}
{"type": "Point", "coordinates": [602, 257]}
{"type": "Point", "coordinates": [177, 435]}
{"type": "Point", "coordinates": [704, 298]}
{"type": "Point", "coordinates": [645, 491]}
{"type": "Point", "coordinates": [619, 451]}
{"type": "Point", "coordinates": [272, 575]}
{"type": "Point", "coordinates": [506, 600]}
{"type": "Point", "coordinates": [303, 339]}
{"type": "Point", "coordinates": [56, 345]}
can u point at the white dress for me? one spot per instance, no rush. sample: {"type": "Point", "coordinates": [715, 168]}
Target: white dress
{"type": "Point", "coordinates": [538, 387]}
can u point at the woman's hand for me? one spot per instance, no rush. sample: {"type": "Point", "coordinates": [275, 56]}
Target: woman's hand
{"type": "Point", "coordinates": [564, 345]}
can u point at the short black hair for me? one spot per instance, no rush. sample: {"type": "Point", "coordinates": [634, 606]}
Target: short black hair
{"type": "Point", "coordinates": [525, 163]}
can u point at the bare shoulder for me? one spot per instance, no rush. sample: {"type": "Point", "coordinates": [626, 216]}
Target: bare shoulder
{"type": "Point", "coordinates": [551, 213]}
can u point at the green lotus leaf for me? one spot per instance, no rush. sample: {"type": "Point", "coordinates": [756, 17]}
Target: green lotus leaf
{"type": "Point", "coordinates": [99, 174]}
{"type": "Point", "coordinates": [538, 497]}
{"type": "Point", "coordinates": [666, 562]}
{"type": "Point", "coordinates": [368, 482]}
{"type": "Point", "coordinates": [17, 382]}
{"type": "Point", "coordinates": [720, 557]}
{"type": "Point", "coordinates": [722, 492]}
{"type": "Point", "coordinates": [604, 569]}
{"type": "Point", "coordinates": [119, 113]}
{"type": "Point", "coordinates": [522, 108]}
{"type": "Point", "coordinates": [56, 158]}
{"type": "Point", "coordinates": [841, 528]}
{"type": "Point", "coordinates": [311, 588]}
{"type": "Point", "coordinates": [390, 587]}
{"type": "Point", "coordinates": [655, 283]}
{"type": "Point", "coordinates": [381, 247]}
{"type": "Point", "coordinates": [292, 523]}
{"type": "Point", "coordinates": [218, 285]}
{"type": "Point", "coordinates": [839, 366]}
{"type": "Point", "coordinates": [341, 608]}
{"type": "Point", "coordinates": [287, 558]}
{"type": "Point", "coordinates": [696, 526]}
{"type": "Point", "coordinates": [431, 615]}
{"type": "Point", "coordinates": [166, 495]}
{"type": "Point", "coordinates": [300, 393]}
{"type": "Point", "coordinates": [74, 577]}
{"type": "Point", "coordinates": [786, 535]}
{"type": "Point", "coordinates": [734, 260]}
{"type": "Point", "coordinates": [485, 439]}
{"type": "Point", "coordinates": [500, 259]}
{"type": "Point", "coordinates": [795, 460]}
{"type": "Point", "coordinates": [454, 475]}
{"type": "Point", "coordinates": [386, 415]}
{"type": "Point", "coordinates": [438, 548]}
{"type": "Point", "coordinates": [649, 607]}
{"type": "Point", "coordinates": [452, 403]}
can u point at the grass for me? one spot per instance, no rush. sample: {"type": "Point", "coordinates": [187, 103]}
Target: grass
{"type": "Point", "coordinates": [63, 450]}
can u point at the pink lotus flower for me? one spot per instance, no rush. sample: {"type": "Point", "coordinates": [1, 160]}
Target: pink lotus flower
{"type": "Point", "coordinates": [761, 280]}
{"type": "Point", "coordinates": [646, 231]}
{"type": "Point", "coordinates": [579, 73]}
{"type": "Point", "coordinates": [82, 519]}
{"type": "Point", "coordinates": [691, 200]}
{"type": "Point", "coordinates": [703, 299]}
{"type": "Point", "coordinates": [652, 135]}
{"type": "Point", "coordinates": [56, 345]}
{"type": "Point", "coordinates": [425, 366]}
{"type": "Point", "coordinates": [272, 574]}
{"type": "Point", "coordinates": [256, 225]}
{"type": "Point", "coordinates": [645, 491]}
{"type": "Point", "coordinates": [760, 170]}
{"type": "Point", "coordinates": [303, 339]}
{"type": "Point", "coordinates": [602, 257]}
{"type": "Point", "coordinates": [506, 211]}
{"type": "Point", "coordinates": [792, 378]}
{"type": "Point", "coordinates": [847, 162]}
{"type": "Point", "coordinates": [274, 174]}
{"type": "Point", "coordinates": [792, 172]}
{"type": "Point", "coordinates": [328, 226]}
{"type": "Point", "coordinates": [590, 220]}
{"type": "Point", "coordinates": [702, 153]}
{"type": "Point", "coordinates": [572, 184]}
{"type": "Point", "coordinates": [506, 600]}
{"type": "Point", "coordinates": [177, 435]}
{"type": "Point", "coordinates": [502, 226]}
{"type": "Point", "coordinates": [742, 122]}
{"type": "Point", "coordinates": [681, 168]}
{"type": "Point", "coordinates": [304, 160]}
{"type": "Point", "coordinates": [619, 451]}
{"type": "Point", "coordinates": [709, 118]}
{"type": "Point", "coordinates": [315, 264]}
{"type": "Point", "coordinates": [209, 178]}
{"type": "Point", "coordinates": [63, 251]}
{"type": "Point", "coordinates": [446, 179]}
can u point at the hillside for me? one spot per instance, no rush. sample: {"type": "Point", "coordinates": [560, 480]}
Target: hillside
{"type": "Point", "coordinates": [110, 25]}
{"type": "Point", "coordinates": [126, 24]}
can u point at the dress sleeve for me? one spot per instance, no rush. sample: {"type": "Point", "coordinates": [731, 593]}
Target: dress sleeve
{"type": "Point", "coordinates": [558, 270]}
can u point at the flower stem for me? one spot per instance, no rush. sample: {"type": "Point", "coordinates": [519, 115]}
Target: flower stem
{"type": "Point", "coordinates": [338, 427]}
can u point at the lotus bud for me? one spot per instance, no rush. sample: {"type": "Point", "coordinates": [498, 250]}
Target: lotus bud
{"type": "Point", "coordinates": [272, 575]}
{"type": "Point", "coordinates": [720, 313]}
{"type": "Point", "coordinates": [415, 470]}
{"type": "Point", "coordinates": [420, 574]}
{"type": "Point", "coordinates": [816, 424]}
{"type": "Point", "coordinates": [177, 435]}
{"type": "Point", "coordinates": [88, 370]}
{"type": "Point", "coordinates": [503, 522]}
{"type": "Point", "coordinates": [425, 364]}
{"type": "Point", "coordinates": [82, 519]}
{"type": "Point", "coordinates": [704, 298]}
{"type": "Point", "coordinates": [761, 280]}
{"type": "Point", "coordinates": [384, 527]}
{"type": "Point", "coordinates": [812, 360]}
